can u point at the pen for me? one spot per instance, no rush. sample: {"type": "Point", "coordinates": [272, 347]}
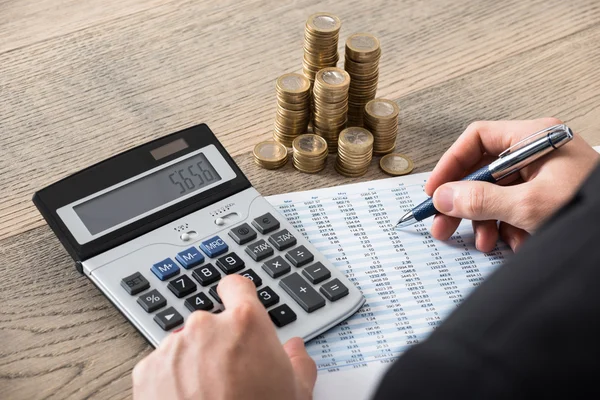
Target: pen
{"type": "Point", "coordinates": [509, 161]}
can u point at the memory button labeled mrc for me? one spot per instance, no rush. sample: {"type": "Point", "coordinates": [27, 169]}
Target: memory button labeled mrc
{"type": "Point", "coordinates": [213, 247]}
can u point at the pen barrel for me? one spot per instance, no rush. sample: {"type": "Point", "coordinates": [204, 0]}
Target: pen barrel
{"type": "Point", "coordinates": [426, 209]}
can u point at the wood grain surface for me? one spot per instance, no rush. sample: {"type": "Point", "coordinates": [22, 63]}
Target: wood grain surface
{"type": "Point", "coordinates": [81, 81]}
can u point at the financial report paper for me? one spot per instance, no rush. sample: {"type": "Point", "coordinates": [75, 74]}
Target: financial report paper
{"type": "Point", "coordinates": [411, 281]}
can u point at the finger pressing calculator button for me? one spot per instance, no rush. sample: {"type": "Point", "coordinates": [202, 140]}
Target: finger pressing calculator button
{"type": "Point", "coordinates": [259, 250]}
{"type": "Point", "coordinates": [165, 269]}
{"type": "Point", "coordinates": [252, 276]}
{"type": "Point", "coordinates": [282, 315]}
{"type": "Point", "coordinates": [267, 297]}
{"type": "Point", "coordinates": [198, 301]}
{"type": "Point", "coordinates": [230, 263]}
{"type": "Point", "coordinates": [206, 275]}
{"type": "Point", "coordinates": [276, 267]}
{"type": "Point", "coordinates": [213, 247]}
{"type": "Point", "coordinates": [190, 258]}
{"type": "Point", "coordinates": [182, 286]}
{"type": "Point", "coordinates": [334, 290]}
{"type": "Point", "coordinates": [266, 223]}
{"type": "Point", "coordinates": [168, 319]}
{"type": "Point", "coordinates": [316, 273]}
{"type": "Point", "coordinates": [302, 292]}
{"type": "Point", "coordinates": [213, 292]}
{"type": "Point", "coordinates": [242, 234]}
{"type": "Point", "coordinates": [135, 283]}
{"type": "Point", "coordinates": [299, 256]}
{"type": "Point", "coordinates": [152, 301]}
{"type": "Point", "coordinates": [282, 240]}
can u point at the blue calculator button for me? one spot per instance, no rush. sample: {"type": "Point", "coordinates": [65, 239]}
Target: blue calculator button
{"type": "Point", "coordinates": [214, 246]}
{"type": "Point", "coordinates": [165, 269]}
{"type": "Point", "coordinates": [190, 258]}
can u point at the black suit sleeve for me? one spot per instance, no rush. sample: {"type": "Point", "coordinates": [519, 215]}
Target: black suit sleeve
{"type": "Point", "coordinates": [531, 330]}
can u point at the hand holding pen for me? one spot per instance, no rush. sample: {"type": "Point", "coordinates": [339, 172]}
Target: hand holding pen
{"type": "Point", "coordinates": [522, 200]}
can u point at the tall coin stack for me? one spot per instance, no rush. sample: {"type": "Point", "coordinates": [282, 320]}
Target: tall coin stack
{"type": "Point", "coordinates": [362, 63]}
{"type": "Point", "coordinates": [381, 119]}
{"type": "Point", "coordinates": [293, 108]}
{"type": "Point", "coordinates": [320, 43]}
{"type": "Point", "coordinates": [355, 151]}
{"type": "Point", "coordinates": [310, 153]}
{"type": "Point", "coordinates": [330, 96]}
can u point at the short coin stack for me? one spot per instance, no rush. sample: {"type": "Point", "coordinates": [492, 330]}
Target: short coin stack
{"type": "Point", "coordinates": [293, 107]}
{"type": "Point", "coordinates": [310, 153]}
{"type": "Point", "coordinates": [381, 119]}
{"type": "Point", "coordinates": [330, 95]}
{"type": "Point", "coordinates": [355, 151]}
{"type": "Point", "coordinates": [320, 43]}
{"type": "Point", "coordinates": [362, 63]}
{"type": "Point", "coordinates": [270, 154]}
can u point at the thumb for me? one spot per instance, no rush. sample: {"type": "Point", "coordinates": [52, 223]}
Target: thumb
{"type": "Point", "coordinates": [479, 201]}
{"type": "Point", "coordinates": [304, 367]}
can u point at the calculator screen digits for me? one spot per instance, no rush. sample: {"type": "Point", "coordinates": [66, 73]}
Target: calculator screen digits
{"type": "Point", "coordinates": [147, 193]}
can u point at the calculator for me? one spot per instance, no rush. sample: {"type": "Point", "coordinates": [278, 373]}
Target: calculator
{"type": "Point", "coordinates": [157, 227]}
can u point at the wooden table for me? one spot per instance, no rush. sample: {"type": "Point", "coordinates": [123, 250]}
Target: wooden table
{"type": "Point", "coordinates": [81, 81]}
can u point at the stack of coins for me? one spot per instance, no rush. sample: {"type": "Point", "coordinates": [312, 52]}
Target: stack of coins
{"type": "Point", "coordinates": [320, 43]}
{"type": "Point", "coordinates": [270, 154]}
{"type": "Point", "coordinates": [362, 63]}
{"type": "Point", "coordinates": [310, 153]}
{"type": "Point", "coordinates": [381, 119]}
{"type": "Point", "coordinates": [293, 107]}
{"type": "Point", "coordinates": [355, 151]}
{"type": "Point", "coordinates": [330, 96]}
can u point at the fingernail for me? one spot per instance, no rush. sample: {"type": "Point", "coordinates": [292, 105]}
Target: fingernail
{"type": "Point", "coordinates": [444, 197]}
{"type": "Point", "coordinates": [177, 330]}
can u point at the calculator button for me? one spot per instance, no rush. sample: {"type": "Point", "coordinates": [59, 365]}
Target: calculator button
{"type": "Point", "coordinates": [168, 319]}
{"type": "Point", "coordinates": [316, 273]}
{"type": "Point", "coordinates": [242, 234]}
{"type": "Point", "coordinates": [276, 267]}
{"type": "Point", "coordinates": [334, 290]}
{"type": "Point", "coordinates": [267, 297]}
{"type": "Point", "coordinates": [282, 315]}
{"type": "Point", "coordinates": [135, 283]}
{"type": "Point", "coordinates": [302, 292]}
{"type": "Point", "coordinates": [213, 293]}
{"type": "Point", "coordinates": [165, 269]}
{"type": "Point", "coordinates": [198, 301]}
{"type": "Point", "coordinates": [182, 286]}
{"type": "Point", "coordinates": [259, 250]}
{"type": "Point", "coordinates": [230, 263]}
{"type": "Point", "coordinates": [265, 223]}
{"type": "Point", "coordinates": [282, 240]}
{"type": "Point", "coordinates": [152, 301]}
{"type": "Point", "coordinates": [299, 256]}
{"type": "Point", "coordinates": [206, 275]}
{"type": "Point", "coordinates": [252, 276]}
{"type": "Point", "coordinates": [214, 247]}
{"type": "Point", "coordinates": [190, 258]}
{"type": "Point", "coordinates": [218, 311]}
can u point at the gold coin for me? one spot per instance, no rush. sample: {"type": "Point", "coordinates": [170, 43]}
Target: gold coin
{"type": "Point", "coordinates": [382, 109]}
{"type": "Point", "coordinates": [309, 144]}
{"type": "Point", "coordinates": [333, 76]}
{"type": "Point", "coordinates": [356, 136]}
{"type": "Point", "coordinates": [323, 23]}
{"type": "Point", "coordinates": [270, 153]}
{"type": "Point", "coordinates": [362, 47]}
{"type": "Point", "coordinates": [396, 164]}
{"type": "Point", "coordinates": [293, 83]}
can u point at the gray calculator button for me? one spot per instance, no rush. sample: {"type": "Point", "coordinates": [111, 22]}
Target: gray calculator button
{"type": "Point", "coordinates": [259, 250]}
{"type": "Point", "coordinates": [276, 267]}
{"type": "Point", "coordinates": [302, 292]}
{"type": "Point", "coordinates": [152, 301]}
{"type": "Point", "coordinates": [299, 256]}
{"type": "Point", "coordinates": [168, 319]}
{"type": "Point", "coordinates": [135, 283]}
{"type": "Point", "coordinates": [282, 240]}
{"type": "Point", "coordinates": [316, 273]}
{"type": "Point", "coordinates": [334, 290]}
{"type": "Point", "coordinates": [266, 223]}
{"type": "Point", "coordinates": [242, 234]}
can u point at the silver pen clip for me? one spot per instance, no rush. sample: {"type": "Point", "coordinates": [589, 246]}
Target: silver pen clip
{"type": "Point", "coordinates": [531, 138]}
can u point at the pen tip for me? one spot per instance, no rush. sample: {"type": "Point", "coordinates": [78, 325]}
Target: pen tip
{"type": "Point", "coordinates": [406, 220]}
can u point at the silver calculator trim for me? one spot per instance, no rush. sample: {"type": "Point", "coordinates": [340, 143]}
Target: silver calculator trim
{"type": "Point", "coordinates": [72, 221]}
{"type": "Point", "coordinates": [107, 269]}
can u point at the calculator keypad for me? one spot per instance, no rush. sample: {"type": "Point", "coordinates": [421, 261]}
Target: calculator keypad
{"type": "Point", "coordinates": [298, 285]}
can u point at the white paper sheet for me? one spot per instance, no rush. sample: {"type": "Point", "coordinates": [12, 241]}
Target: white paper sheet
{"type": "Point", "coordinates": [411, 281]}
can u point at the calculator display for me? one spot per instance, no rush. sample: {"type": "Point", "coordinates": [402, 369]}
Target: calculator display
{"type": "Point", "coordinates": [147, 193]}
